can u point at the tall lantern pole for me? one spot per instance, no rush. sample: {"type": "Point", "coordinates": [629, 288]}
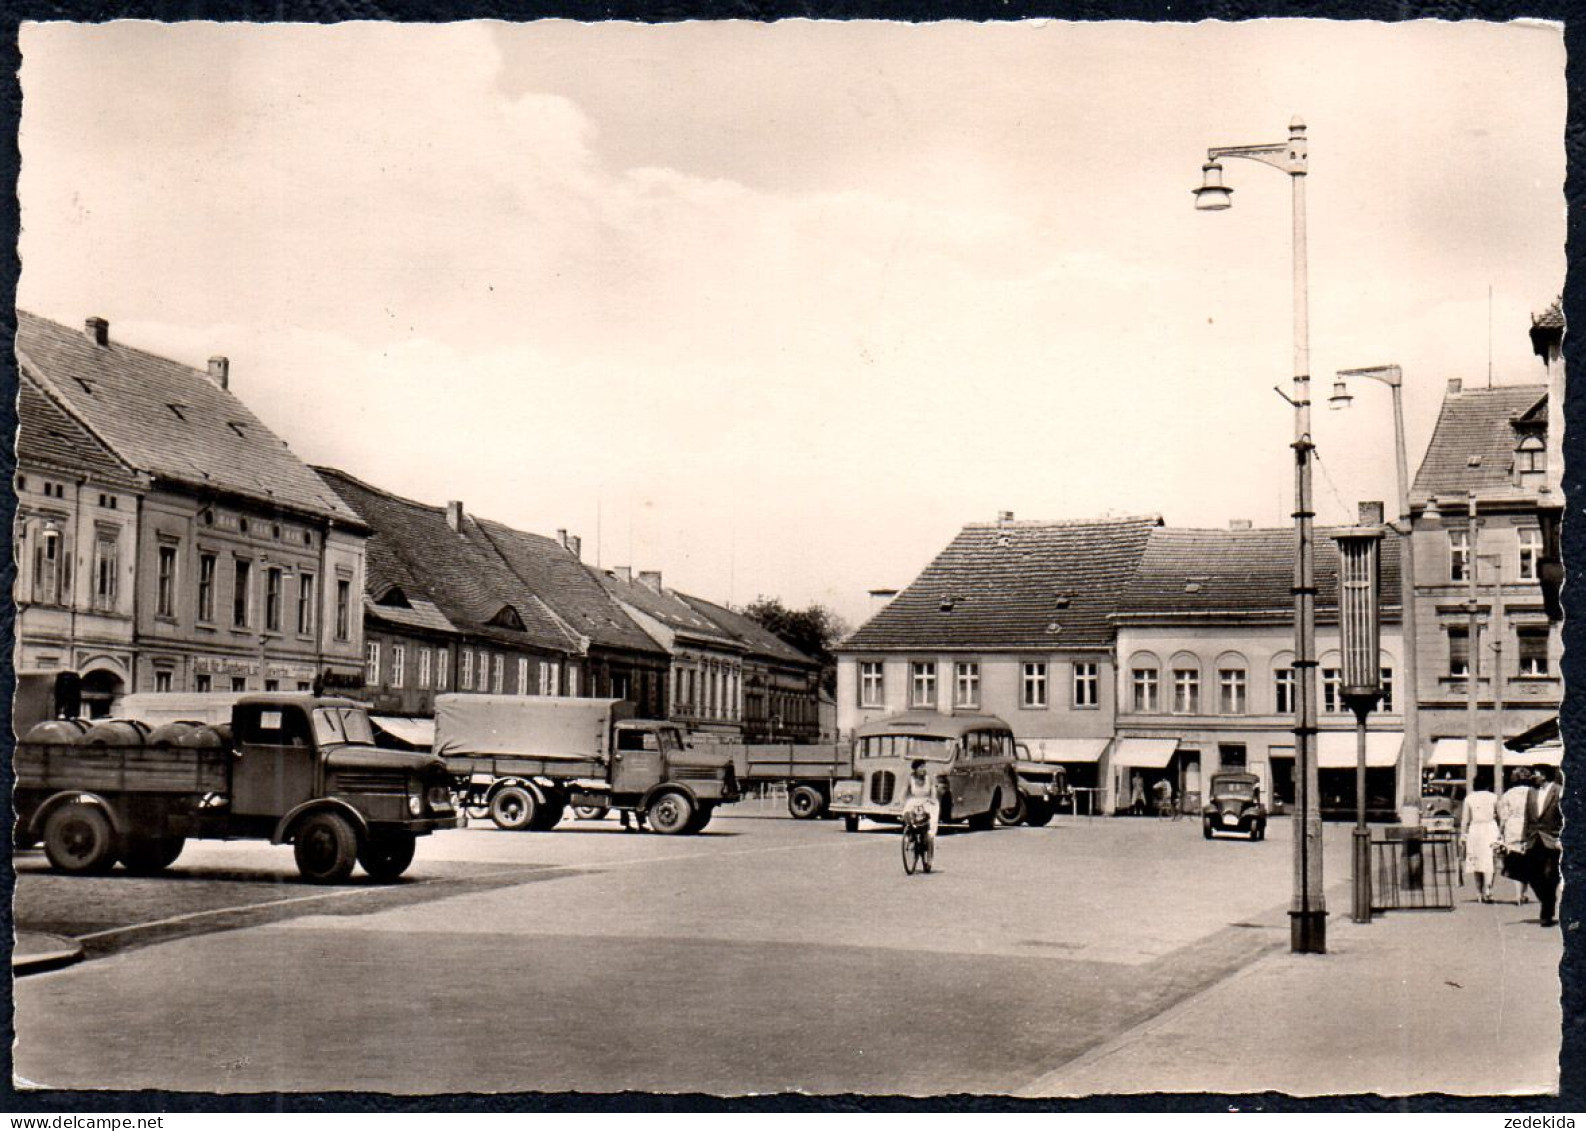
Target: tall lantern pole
{"type": "Point", "coordinates": [1360, 641]}
{"type": "Point", "coordinates": [1308, 907]}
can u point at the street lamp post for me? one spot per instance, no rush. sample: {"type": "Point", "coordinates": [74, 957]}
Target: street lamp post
{"type": "Point", "coordinates": [1359, 634]}
{"type": "Point", "coordinates": [1308, 908]}
{"type": "Point", "coordinates": [1410, 693]}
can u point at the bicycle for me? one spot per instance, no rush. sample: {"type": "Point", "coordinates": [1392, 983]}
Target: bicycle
{"type": "Point", "coordinates": [918, 849]}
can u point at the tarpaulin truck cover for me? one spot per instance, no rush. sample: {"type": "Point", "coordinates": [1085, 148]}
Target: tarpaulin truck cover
{"type": "Point", "coordinates": [530, 726]}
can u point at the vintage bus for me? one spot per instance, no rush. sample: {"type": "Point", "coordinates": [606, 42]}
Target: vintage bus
{"type": "Point", "coordinates": [969, 756]}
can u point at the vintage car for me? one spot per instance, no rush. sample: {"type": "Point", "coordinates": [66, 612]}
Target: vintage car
{"type": "Point", "coordinates": [1441, 799]}
{"type": "Point", "coordinates": [1233, 805]}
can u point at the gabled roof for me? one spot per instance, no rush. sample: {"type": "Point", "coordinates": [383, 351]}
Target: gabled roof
{"type": "Point", "coordinates": [48, 437]}
{"type": "Point", "coordinates": [414, 549]}
{"type": "Point", "coordinates": [167, 420]}
{"type": "Point", "coordinates": [760, 641]}
{"type": "Point", "coordinates": [668, 608]}
{"type": "Point", "coordinates": [1473, 445]}
{"type": "Point", "coordinates": [562, 582]}
{"type": "Point", "coordinates": [1046, 585]}
{"type": "Point", "coordinates": [1239, 573]}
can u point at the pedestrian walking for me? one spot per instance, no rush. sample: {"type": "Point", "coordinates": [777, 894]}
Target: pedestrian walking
{"type": "Point", "coordinates": [1137, 794]}
{"type": "Point", "coordinates": [1479, 828]}
{"type": "Point", "coordinates": [1511, 830]}
{"type": "Point", "coordinates": [1544, 820]}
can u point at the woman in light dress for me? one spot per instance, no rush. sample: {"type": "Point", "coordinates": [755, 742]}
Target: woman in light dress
{"type": "Point", "coordinates": [1479, 826]}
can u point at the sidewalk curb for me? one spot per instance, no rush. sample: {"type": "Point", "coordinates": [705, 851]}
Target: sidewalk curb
{"type": "Point", "coordinates": [34, 953]}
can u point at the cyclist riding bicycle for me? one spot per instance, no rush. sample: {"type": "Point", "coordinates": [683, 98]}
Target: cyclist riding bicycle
{"type": "Point", "coordinates": [920, 794]}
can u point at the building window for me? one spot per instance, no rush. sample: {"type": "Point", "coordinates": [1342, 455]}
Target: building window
{"type": "Point", "coordinates": [424, 669]}
{"type": "Point", "coordinates": [495, 673]}
{"type": "Point", "coordinates": [238, 684]}
{"type": "Point", "coordinates": [165, 583]}
{"type": "Point", "coordinates": [550, 680]}
{"type": "Point", "coordinates": [162, 680]}
{"type": "Point", "coordinates": [922, 684]}
{"type": "Point", "coordinates": [1530, 554]}
{"type": "Point", "coordinates": [1532, 650]}
{"type": "Point", "coordinates": [442, 660]}
{"type": "Point", "coordinates": [966, 685]}
{"type": "Point", "coordinates": [1145, 682]}
{"type": "Point", "coordinates": [1459, 652]}
{"type": "Point", "coordinates": [51, 567]}
{"type": "Point", "coordinates": [305, 604]}
{"type": "Point", "coordinates": [465, 670]}
{"type": "Point", "coordinates": [371, 675]}
{"type": "Point", "coordinates": [1386, 676]}
{"type": "Point", "coordinates": [206, 588]}
{"type": "Point", "coordinates": [399, 663]}
{"type": "Point", "coordinates": [572, 681]}
{"type": "Point", "coordinates": [343, 609]}
{"type": "Point", "coordinates": [871, 684]}
{"type": "Point", "coordinates": [1034, 689]}
{"type": "Point", "coordinates": [107, 554]}
{"type": "Point", "coordinates": [1186, 691]}
{"type": "Point", "coordinates": [304, 685]}
{"type": "Point", "coordinates": [272, 600]}
{"type": "Point", "coordinates": [1458, 554]}
{"type": "Point", "coordinates": [1332, 690]}
{"type": "Point", "coordinates": [201, 683]}
{"type": "Point", "coordinates": [272, 685]}
{"type": "Point", "coordinates": [239, 593]}
{"type": "Point", "coordinates": [1530, 458]}
{"type": "Point", "coordinates": [1231, 691]}
{"type": "Point", "coordinates": [523, 677]}
{"type": "Point", "coordinates": [1087, 684]}
{"type": "Point", "coordinates": [1283, 691]}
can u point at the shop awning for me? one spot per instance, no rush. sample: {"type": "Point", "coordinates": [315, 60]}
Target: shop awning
{"type": "Point", "coordinates": [1144, 753]}
{"type": "Point", "coordinates": [1063, 749]}
{"type": "Point", "coordinates": [1337, 750]}
{"type": "Point", "coordinates": [1451, 752]}
{"type": "Point", "coordinates": [417, 733]}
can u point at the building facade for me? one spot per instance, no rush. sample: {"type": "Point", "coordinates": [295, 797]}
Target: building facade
{"type": "Point", "coordinates": [781, 685]}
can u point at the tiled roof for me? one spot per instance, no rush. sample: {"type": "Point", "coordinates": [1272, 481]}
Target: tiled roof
{"type": "Point", "coordinates": [562, 581]}
{"type": "Point", "coordinates": [1240, 573]}
{"type": "Point", "coordinates": [1047, 585]}
{"type": "Point", "coordinates": [168, 420]}
{"type": "Point", "coordinates": [1473, 445]}
{"type": "Point", "coordinates": [414, 549]}
{"type": "Point", "coordinates": [760, 640]}
{"type": "Point", "coordinates": [49, 437]}
{"type": "Point", "coordinates": [666, 607]}
{"type": "Point", "coordinates": [418, 613]}
{"type": "Point", "coordinates": [1552, 317]}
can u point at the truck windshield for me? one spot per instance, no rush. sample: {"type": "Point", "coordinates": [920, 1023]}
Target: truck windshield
{"type": "Point", "coordinates": [342, 724]}
{"type": "Point", "coordinates": [909, 746]}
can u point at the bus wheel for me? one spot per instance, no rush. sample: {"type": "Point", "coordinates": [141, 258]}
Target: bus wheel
{"type": "Point", "coordinates": [1013, 814]}
{"type": "Point", "coordinates": [146, 855]}
{"type": "Point", "coordinates": [671, 813]}
{"type": "Point", "coordinates": [78, 838]}
{"type": "Point", "coordinates": [326, 848]}
{"type": "Point", "coordinates": [512, 808]}
{"type": "Point", "coordinates": [805, 802]}
{"type": "Point", "coordinates": [387, 857]}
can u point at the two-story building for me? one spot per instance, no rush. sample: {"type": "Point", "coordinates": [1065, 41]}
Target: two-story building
{"type": "Point", "coordinates": [1478, 503]}
{"type": "Point", "coordinates": [781, 685]}
{"type": "Point", "coordinates": [1205, 653]}
{"type": "Point", "coordinates": [1013, 619]}
{"type": "Point", "coordinates": [236, 568]}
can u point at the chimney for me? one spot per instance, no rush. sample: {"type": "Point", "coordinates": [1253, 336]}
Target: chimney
{"type": "Point", "coordinates": [561, 536]}
{"type": "Point", "coordinates": [454, 516]}
{"type": "Point", "coordinates": [1454, 384]}
{"type": "Point", "coordinates": [576, 545]}
{"type": "Point", "coordinates": [1239, 524]}
{"type": "Point", "coordinates": [1004, 516]}
{"type": "Point", "coordinates": [623, 574]}
{"type": "Point", "coordinates": [98, 331]}
{"type": "Point", "coordinates": [1371, 514]}
{"type": "Point", "coordinates": [220, 371]}
{"type": "Point", "coordinates": [650, 577]}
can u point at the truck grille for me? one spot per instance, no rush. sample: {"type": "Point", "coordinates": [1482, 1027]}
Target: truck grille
{"type": "Point", "coordinates": [372, 781]}
{"type": "Point", "coordinates": [882, 786]}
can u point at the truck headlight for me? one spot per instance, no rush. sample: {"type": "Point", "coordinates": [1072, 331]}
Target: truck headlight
{"type": "Point", "coordinates": [415, 805]}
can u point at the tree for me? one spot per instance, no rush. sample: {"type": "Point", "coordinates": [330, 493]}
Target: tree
{"type": "Point", "coordinates": [812, 631]}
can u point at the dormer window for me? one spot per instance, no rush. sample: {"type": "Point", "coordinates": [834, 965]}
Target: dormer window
{"type": "Point", "coordinates": [1530, 458]}
{"type": "Point", "coordinates": [507, 618]}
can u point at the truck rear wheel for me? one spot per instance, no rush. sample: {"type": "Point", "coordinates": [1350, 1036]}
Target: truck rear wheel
{"type": "Point", "coordinates": [1013, 814]}
{"type": "Point", "coordinates": [386, 857]}
{"type": "Point", "coordinates": [146, 855]}
{"type": "Point", "coordinates": [326, 848]}
{"type": "Point", "coordinates": [78, 839]}
{"type": "Point", "coordinates": [1037, 813]}
{"type": "Point", "coordinates": [671, 813]}
{"type": "Point", "coordinates": [805, 802]}
{"type": "Point", "coordinates": [513, 808]}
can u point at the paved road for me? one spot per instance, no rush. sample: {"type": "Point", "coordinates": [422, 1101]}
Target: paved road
{"type": "Point", "coordinates": [766, 955]}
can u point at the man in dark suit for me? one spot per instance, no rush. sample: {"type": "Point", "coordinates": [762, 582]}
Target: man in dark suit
{"type": "Point", "coordinates": [1543, 821]}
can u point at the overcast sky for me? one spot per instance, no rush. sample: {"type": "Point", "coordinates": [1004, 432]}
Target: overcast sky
{"type": "Point", "coordinates": [776, 309]}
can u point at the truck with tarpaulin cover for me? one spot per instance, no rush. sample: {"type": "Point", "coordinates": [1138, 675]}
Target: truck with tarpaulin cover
{"type": "Point", "coordinates": [525, 758]}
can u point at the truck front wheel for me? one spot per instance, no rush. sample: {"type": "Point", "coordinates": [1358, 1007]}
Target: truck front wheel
{"type": "Point", "coordinates": [805, 802]}
{"type": "Point", "coordinates": [386, 857]}
{"type": "Point", "coordinates": [78, 839]}
{"type": "Point", "coordinates": [326, 847]}
{"type": "Point", "coordinates": [513, 808]}
{"type": "Point", "coordinates": [146, 855]}
{"type": "Point", "coordinates": [671, 814]}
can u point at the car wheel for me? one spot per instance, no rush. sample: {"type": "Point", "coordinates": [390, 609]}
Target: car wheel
{"type": "Point", "coordinates": [805, 802]}
{"type": "Point", "coordinates": [1014, 814]}
{"type": "Point", "coordinates": [387, 857]}
{"type": "Point", "coordinates": [1259, 832]}
{"type": "Point", "coordinates": [512, 808]}
{"type": "Point", "coordinates": [78, 839]}
{"type": "Point", "coordinates": [671, 813]}
{"type": "Point", "coordinates": [326, 848]}
{"type": "Point", "coordinates": [1206, 829]}
{"type": "Point", "coordinates": [146, 855]}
